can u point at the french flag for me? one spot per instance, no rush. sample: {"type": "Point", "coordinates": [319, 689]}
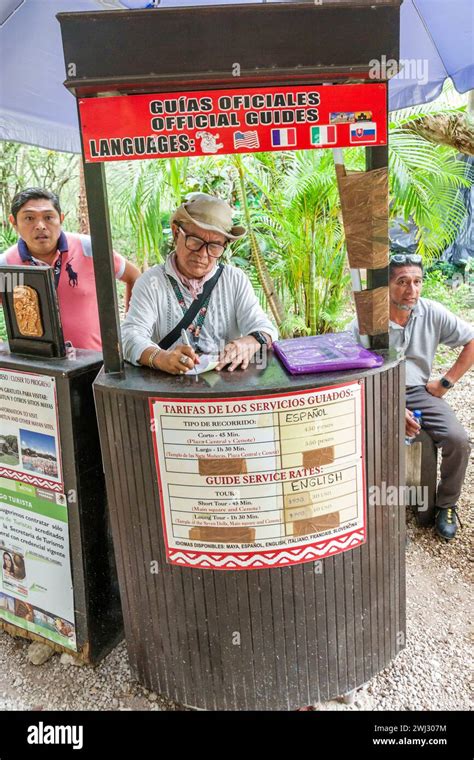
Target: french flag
{"type": "Point", "coordinates": [283, 138]}
{"type": "Point", "coordinates": [363, 132]}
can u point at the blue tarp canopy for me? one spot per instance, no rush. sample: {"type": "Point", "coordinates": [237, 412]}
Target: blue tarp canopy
{"type": "Point", "coordinates": [436, 42]}
{"type": "Point", "coordinates": [35, 108]}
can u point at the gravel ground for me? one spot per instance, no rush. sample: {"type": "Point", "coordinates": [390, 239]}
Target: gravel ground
{"type": "Point", "coordinates": [430, 674]}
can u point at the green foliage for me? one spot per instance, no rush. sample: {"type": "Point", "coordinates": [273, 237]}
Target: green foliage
{"type": "Point", "coordinates": [445, 268]}
{"type": "Point", "coordinates": [8, 236]}
{"type": "Point", "coordinates": [293, 204]}
{"type": "Point", "coordinates": [3, 330]}
{"type": "Point", "coordinates": [135, 201]}
{"type": "Point", "coordinates": [296, 251]}
{"type": "Point", "coordinates": [457, 300]}
{"type": "Point", "coordinates": [27, 166]}
{"type": "Point", "coordinates": [425, 180]}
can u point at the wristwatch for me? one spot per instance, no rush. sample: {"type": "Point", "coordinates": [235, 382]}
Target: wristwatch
{"type": "Point", "coordinates": [446, 383]}
{"type": "Point", "coordinates": [260, 337]}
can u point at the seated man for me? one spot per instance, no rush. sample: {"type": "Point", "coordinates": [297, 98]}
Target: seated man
{"type": "Point", "coordinates": [229, 322]}
{"type": "Point", "coordinates": [36, 216]}
{"type": "Point", "coordinates": [417, 327]}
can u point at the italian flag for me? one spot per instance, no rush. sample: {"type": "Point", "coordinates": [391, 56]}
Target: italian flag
{"type": "Point", "coordinates": [324, 135]}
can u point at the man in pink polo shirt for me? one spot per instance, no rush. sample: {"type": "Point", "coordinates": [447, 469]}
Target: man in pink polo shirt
{"type": "Point", "coordinates": [36, 216]}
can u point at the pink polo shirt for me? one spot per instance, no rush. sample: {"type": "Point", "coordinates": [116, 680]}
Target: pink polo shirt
{"type": "Point", "coordinates": [76, 290]}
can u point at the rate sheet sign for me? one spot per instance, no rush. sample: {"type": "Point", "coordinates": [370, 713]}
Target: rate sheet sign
{"type": "Point", "coordinates": [261, 481]}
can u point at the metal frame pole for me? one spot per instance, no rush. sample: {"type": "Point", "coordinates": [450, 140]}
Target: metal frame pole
{"type": "Point", "coordinates": [96, 191]}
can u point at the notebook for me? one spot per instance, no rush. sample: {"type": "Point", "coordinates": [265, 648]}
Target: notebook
{"type": "Point", "coordinates": [324, 353]}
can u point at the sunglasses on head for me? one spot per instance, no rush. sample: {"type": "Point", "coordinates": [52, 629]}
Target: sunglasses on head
{"type": "Point", "coordinates": [406, 258]}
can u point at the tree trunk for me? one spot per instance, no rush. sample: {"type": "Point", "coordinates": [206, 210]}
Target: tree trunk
{"type": "Point", "coordinates": [453, 129]}
{"type": "Point", "coordinates": [264, 276]}
{"type": "Point", "coordinates": [82, 212]}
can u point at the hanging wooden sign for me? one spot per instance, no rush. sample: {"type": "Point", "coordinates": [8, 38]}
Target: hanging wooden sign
{"type": "Point", "coordinates": [171, 125]}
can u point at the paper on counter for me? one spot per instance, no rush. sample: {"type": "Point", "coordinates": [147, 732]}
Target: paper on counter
{"type": "Point", "coordinates": [207, 363]}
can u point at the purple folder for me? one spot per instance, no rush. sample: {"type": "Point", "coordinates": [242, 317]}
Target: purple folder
{"type": "Point", "coordinates": [324, 353]}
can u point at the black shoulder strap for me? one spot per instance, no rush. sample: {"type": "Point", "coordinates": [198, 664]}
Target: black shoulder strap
{"type": "Point", "coordinates": [188, 317]}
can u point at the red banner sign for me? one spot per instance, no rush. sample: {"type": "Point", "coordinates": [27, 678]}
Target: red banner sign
{"type": "Point", "coordinates": [172, 125]}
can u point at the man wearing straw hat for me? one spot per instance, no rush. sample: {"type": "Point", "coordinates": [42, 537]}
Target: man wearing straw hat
{"type": "Point", "coordinates": [214, 303]}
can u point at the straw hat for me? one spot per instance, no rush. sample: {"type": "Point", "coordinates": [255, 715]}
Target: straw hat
{"type": "Point", "coordinates": [210, 213]}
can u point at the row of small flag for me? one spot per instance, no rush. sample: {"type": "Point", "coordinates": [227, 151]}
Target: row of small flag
{"type": "Point", "coordinates": [321, 135]}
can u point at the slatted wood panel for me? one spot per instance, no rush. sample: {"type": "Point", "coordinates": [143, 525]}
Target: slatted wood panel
{"type": "Point", "coordinates": [271, 41]}
{"type": "Point", "coordinates": [263, 639]}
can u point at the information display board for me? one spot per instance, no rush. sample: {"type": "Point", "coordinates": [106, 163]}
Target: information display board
{"type": "Point", "coordinates": [259, 482]}
{"type": "Point", "coordinates": [36, 591]}
{"type": "Point", "coordinates": [170, 125]}
{"type": "Point", "coordinates": [29, 438]}
{"type": "Point", "coordinates": [35, 584]}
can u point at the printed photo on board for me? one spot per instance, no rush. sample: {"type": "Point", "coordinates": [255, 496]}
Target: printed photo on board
{"type": "Point", "coordinates": [9, 450]}
{"type": "Point", "coordinates": [8, 570]}
{"type": "Point", "coordinates": [7, 603]}
{"type": "Point", "coordinates": [38, 453]}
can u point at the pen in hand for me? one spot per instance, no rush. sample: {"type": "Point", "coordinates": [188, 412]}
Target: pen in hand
{"type": "Point", "coordinates": [185, 339]}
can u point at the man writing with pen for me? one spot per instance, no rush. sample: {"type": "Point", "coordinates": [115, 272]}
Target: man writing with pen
{"type": "Point", "coordinates": [214, 303]}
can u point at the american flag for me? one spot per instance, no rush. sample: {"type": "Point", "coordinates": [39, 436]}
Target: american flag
{"type": "Point", "coordinates": [246, 140]}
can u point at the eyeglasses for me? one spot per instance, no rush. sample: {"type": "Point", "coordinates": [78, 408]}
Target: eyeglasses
{"type": "Point", "coordinates": [406, 258]}
{"type": "Point", "coordinates": [193, 243]}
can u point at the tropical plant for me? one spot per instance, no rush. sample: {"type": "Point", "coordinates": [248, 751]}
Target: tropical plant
{"type": "Point", "coordinates": [425, 179]}
{"type": "Point", "coordinates": [258, 260]}
{"type": "Point", "coordinates": [458, 300]}
{"type": "Point", "coordinates": [25, 166]}
{"type": "Point", "coordinates": [295, 217]}
{"type": "Point", "coordinates": [294, 253]}
{"type": "Point", "coordinates": [142, 193]}
{"type": "Point", "coordinates": [3, 329]}
{"type": "Point", "coordinates": [444, 121]}
{"type": "Point", "coordinates": [8, 236]}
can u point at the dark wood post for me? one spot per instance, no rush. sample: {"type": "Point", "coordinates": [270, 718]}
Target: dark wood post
{"type": "Point", "coordinates": [377, 158]}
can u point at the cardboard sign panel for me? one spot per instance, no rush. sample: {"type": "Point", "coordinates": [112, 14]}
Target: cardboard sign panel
{"type": "Point", "coordinates": [257, 482]}
{"type": "Point", "coordinates": [171, 125]}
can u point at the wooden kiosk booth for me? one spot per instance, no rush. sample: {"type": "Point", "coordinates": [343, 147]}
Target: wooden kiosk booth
{"type": "Point", "coordinates": [254, 571]}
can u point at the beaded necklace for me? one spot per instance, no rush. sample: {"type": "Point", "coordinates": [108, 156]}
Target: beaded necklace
{"type": "Point", "coordinates": [196, 326]}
